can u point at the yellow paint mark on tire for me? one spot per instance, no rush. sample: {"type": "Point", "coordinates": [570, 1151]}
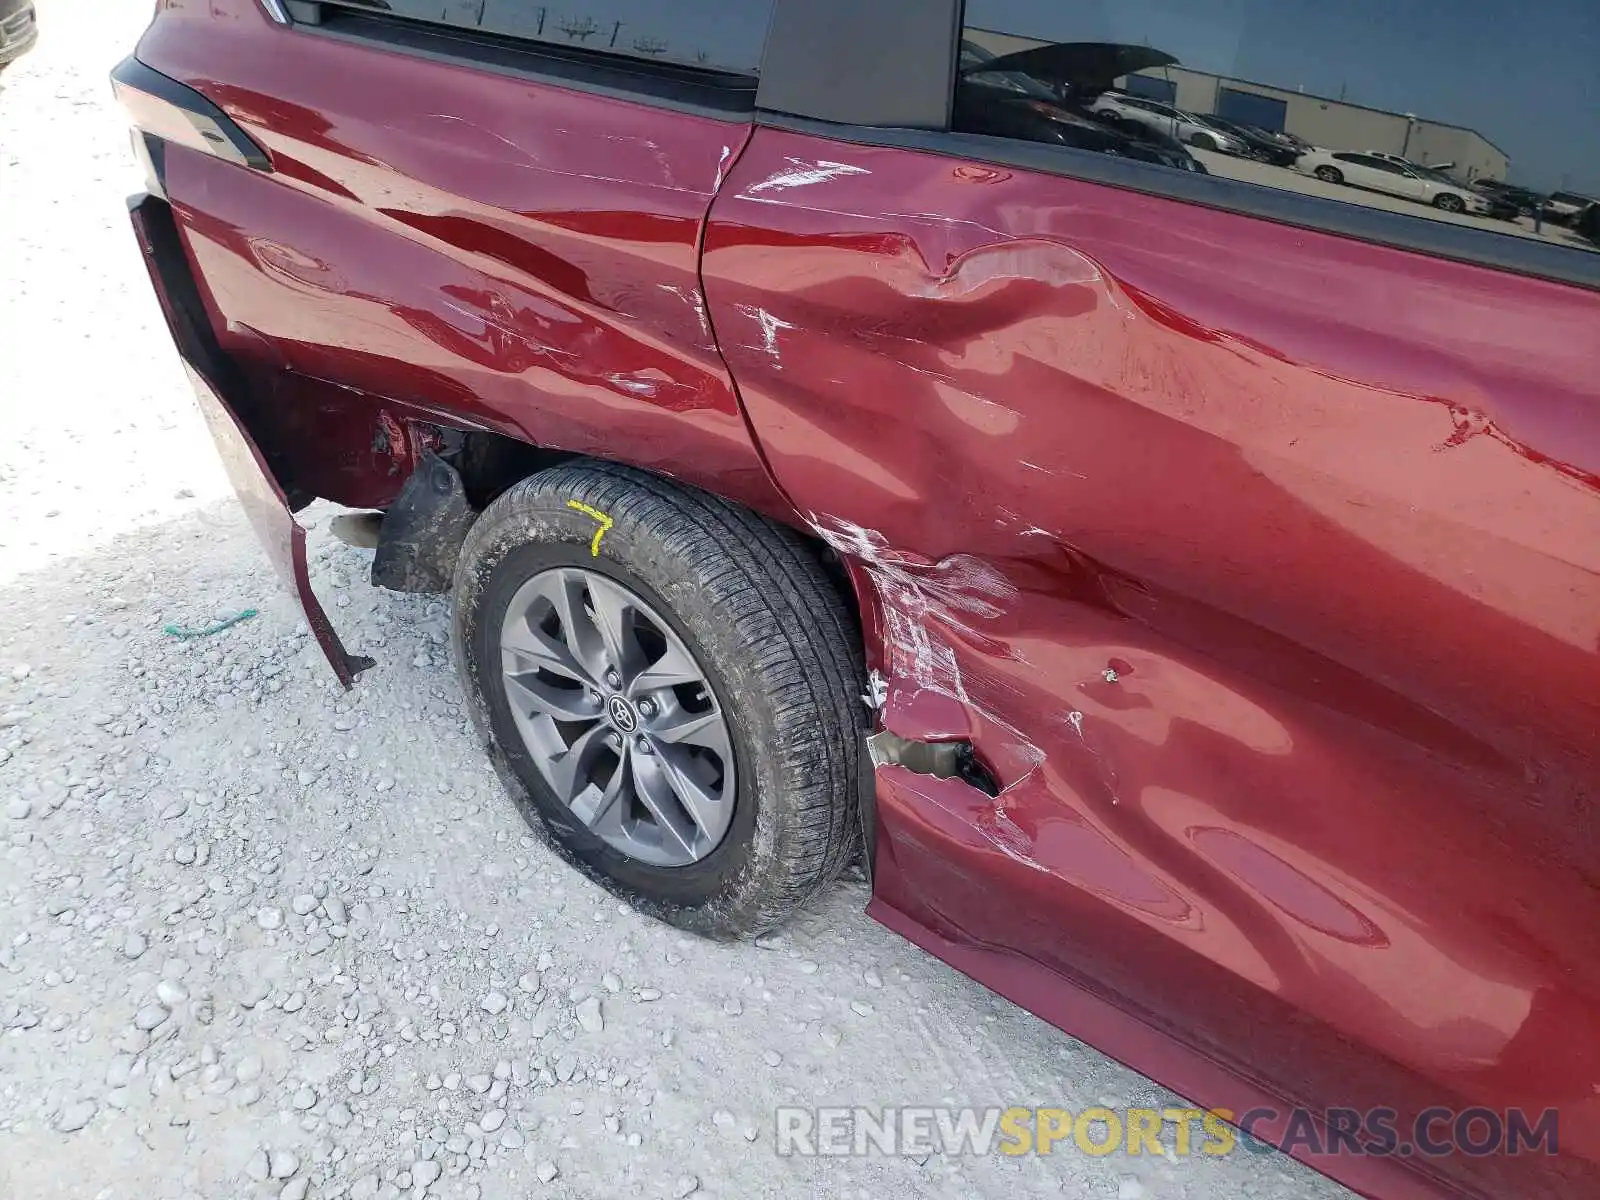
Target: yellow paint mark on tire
{"type": "Point", "coordinates": [605, 523]}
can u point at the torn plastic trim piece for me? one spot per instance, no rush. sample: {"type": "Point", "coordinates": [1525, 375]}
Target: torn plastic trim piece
{"type": "Point", "coordinates": [219, 391]}
{"type": "Point", "coordinates": [422, 531]}
{"type": "Point", "coordinates": [941, 760]}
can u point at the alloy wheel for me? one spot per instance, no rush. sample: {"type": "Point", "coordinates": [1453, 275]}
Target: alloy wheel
{"type": "Point", "coordinates": [618, 715]}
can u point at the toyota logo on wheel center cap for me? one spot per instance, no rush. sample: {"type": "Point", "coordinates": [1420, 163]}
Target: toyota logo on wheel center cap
{"type": "Point", "coordinates": [622, 714]}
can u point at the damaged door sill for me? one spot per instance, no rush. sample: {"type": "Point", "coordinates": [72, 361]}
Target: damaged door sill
{"type": "Point", "coordinates": [941, 760]}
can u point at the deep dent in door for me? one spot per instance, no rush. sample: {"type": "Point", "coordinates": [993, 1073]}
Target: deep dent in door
{"type": "Point", "coordinates": [1263, 570]}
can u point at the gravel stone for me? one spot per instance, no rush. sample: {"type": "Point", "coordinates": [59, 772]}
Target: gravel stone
{"type": "Point", "coordinates": [423, 1173]}
{"type": "Point", "coordinates": [150, 1016]}
{"type": "Point", "coordinates": [589, 1015]}
{"type": "Point", "coordinates": [75, 1115]}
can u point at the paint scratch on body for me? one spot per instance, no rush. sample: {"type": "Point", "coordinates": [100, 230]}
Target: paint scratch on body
{"type": "Point", "coordinates": [920, 599]}
{"type": "Point", "coordinates": [770, 325]}
{"type": "Point", "coordinates": [633, 386]}
{"type": "Point", "coordinates": [800, 173]}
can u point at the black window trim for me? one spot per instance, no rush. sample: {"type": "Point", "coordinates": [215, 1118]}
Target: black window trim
{"type": "Point", "coordinates": [800, 90]}
{"type": "Point", "coordinates": [316, 11]}
{"type": "Point", "coordinates": [720, 95]}
{"type": "Point", "coordinates": [823, 73]}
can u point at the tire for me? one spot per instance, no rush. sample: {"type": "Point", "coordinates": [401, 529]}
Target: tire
{"type": "Point", "coordinates": [1201, 142]}
{"type": "Point", "coordinates": [1329, 174]}
{"type": "Point", "coordinates": [755, 610]}
{"type": "Point", "coordinates": [1449, 202]}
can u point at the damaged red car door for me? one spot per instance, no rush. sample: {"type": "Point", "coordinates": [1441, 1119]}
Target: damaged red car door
{"type": "Point", "coordinates": [1261, 567]}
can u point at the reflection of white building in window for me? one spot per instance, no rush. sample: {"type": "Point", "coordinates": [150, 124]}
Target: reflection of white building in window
{"type": "Point", "coordinates": [1331, 124]}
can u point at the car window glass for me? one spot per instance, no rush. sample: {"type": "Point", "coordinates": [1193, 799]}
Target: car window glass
{"type": "Point", "coordinates": [1452, 92]}
{"type": "Point", "coordinates": [719, 35]}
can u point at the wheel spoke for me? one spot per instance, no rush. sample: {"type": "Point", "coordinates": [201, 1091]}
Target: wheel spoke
{"type": "Point", "coordinates": [533, 696]}
{"type": "Point", "coordinates": [654, 789]}
{"type": "Point", "coordinates": [568, 772]}
{"type": "Point", "coordinates": [564, 590]}
{"type": "Point", "coordinates": [673, 668]}
{"type": "Point", "coordinates": [703, 805]}
{"type": "Point", "coordinates": [611, 607]}
{"type": "Point", "coordinates": [705, 729]}
{"type": "Point", "coordinates": [526, 648]}
{"type": "Point", "coordinates": [601, 810]}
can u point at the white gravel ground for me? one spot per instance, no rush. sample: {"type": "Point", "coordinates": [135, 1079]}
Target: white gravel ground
{"type": "Point", "coordinates": [260, 937]}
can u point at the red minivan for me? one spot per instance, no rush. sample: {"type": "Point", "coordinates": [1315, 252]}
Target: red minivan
{"type": "Point", "coordinates": [841, 431]}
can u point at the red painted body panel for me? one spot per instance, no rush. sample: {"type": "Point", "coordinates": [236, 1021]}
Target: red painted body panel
{"type": "Point", "coordinates": [1264, 569]}
{"type": "Point", "coordinates": [522, 255]}
{"type": "Point", "coordinates": [263, 501]}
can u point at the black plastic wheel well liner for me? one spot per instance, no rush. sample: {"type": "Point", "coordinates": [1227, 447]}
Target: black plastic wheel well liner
{"type": "Point", "coordinates": [489, 463]}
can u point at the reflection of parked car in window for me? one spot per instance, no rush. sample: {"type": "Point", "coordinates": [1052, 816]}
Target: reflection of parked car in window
{"type": "Point", "coordinates": [1260, 143]}
{"type": "Point", "coordinates": [1006, 103]}
{"type": "Point", "coordinates": [1186, 127]}
{"type": "Point", "coordinates": [1587, 223]}
{"type": "Point", "coordinates": [1289, 139]}
{"type": "Point", "coordinates": [1402, 160]}
{"type": "Point", "coordinates": [1524, 200]}
{"type": "Point", "coordinates": [1494, 206]}
{"type": "Point", "coordinates": [1384, 175]}
{"type": "Point", "coordinates": [18, 30]}
{"type": "Point", "coordinates": [1566, 207]}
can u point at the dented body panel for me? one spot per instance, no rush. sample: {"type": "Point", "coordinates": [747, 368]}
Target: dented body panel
{"type": "Point", "coordinates": [220, 395]}
{"type": "Point", "coordinates": [501, 254]}
{"type": "Point", "coordinates": [1262, 567]}
{"type": "Point", "coordinates": [1258, 568]}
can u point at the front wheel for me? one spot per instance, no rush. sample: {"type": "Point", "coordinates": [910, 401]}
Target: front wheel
{"type": "Point", "coordinates": [1329, 174]}
{"type": "Point", "coordinates": [1449, 203]}
{"type": "Point", "coordinates": [670, 687]}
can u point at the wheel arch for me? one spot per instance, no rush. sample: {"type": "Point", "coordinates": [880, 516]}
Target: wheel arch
{"type": "Point", "coordinates": [491, 463]}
